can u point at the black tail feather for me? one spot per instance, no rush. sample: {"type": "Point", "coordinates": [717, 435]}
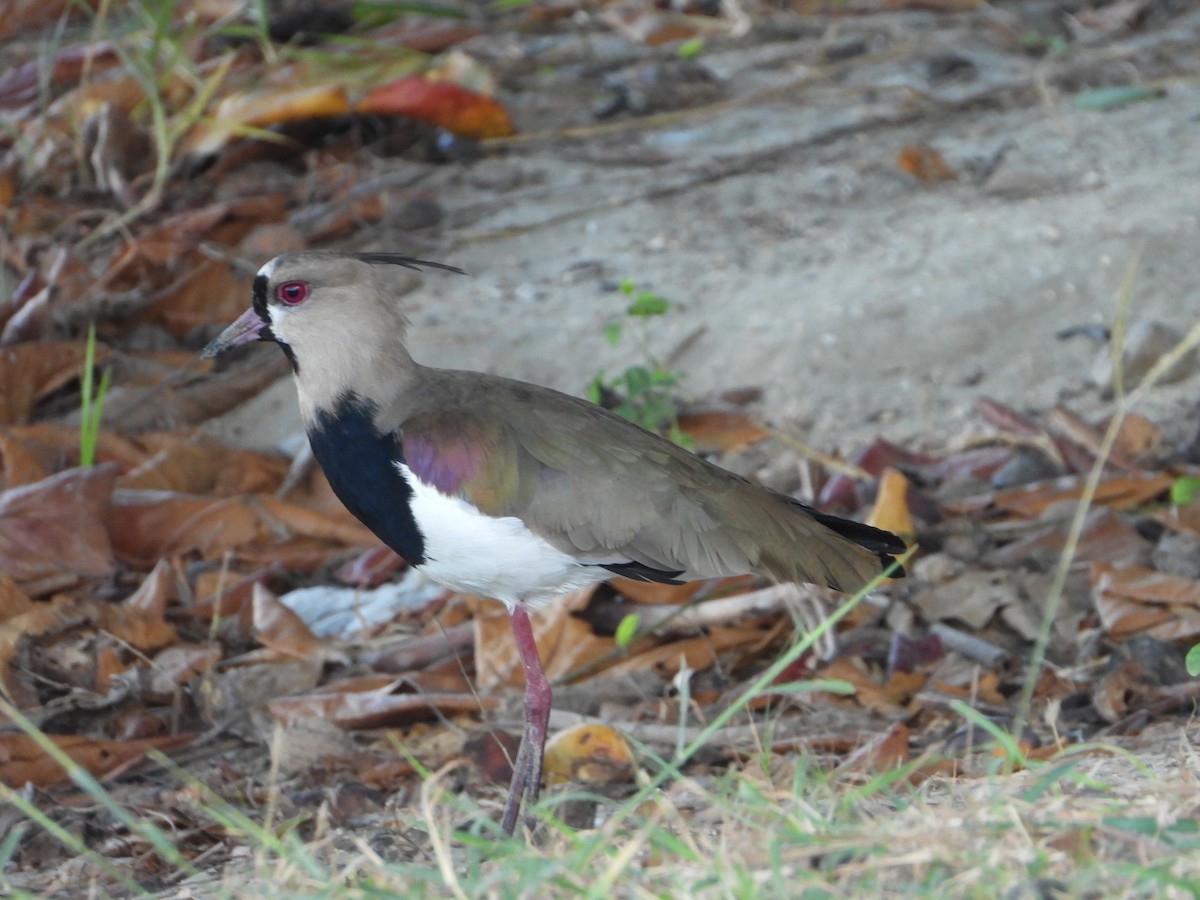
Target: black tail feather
{"type": "Point", "coordinates": [882, 543]}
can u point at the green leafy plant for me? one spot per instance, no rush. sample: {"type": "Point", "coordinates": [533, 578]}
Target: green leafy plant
{"type": "Point", "coordinates": [643, 393]}
{"type": "Point", "coordinates": [1192, 660]}
{"type": "Point", "coordinates": [1185, 490]}
{"type": "Point", "coordinates": [91, 401]}
{"type": "Point", "coordinates": [626, 631]}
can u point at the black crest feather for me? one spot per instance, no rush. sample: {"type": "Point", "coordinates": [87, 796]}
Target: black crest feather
{"type": "Point", "coordinates": [399, 259]}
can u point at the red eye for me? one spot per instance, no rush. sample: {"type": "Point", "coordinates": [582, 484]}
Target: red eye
{"type": "Point", "coordinates": [292, 293]}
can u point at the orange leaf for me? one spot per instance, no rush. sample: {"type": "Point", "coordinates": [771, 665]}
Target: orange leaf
{"type": "Point", "coordinates": [924, 164]}
{"type": "Point", "coordinates": [442, 103]}
{"type": "Point", "coordinates": [261, 107]}
{"type": "Point", "coordinates": [721, 431]}
{"type": "Point", "coordinates": [890, 511]}
{"type": "Point", "coordinates": [890, 699]}
{"type": "Point", "coordinates": [588, 753]}
{"type": "Point", "coordinates": [22, 761]}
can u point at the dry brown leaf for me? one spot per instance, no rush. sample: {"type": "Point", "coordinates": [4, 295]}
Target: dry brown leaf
{"type": "Point", "coordinates": [1117, 492]}
{"type": "Point", "coordinates": [649, 26]}
{"type": "Point", "coordinates": [314, 524]}
{"type": "Point", "coordinates": [23, 762]}
{"type": "Point", "coordinates": [881, 753]}
{"type": "Point", "coordinates": [1065, 425]}
{"type": "Point", "coordinates": [924, 164]}
{"type": "Point", "coordinates": [973, 597]}
{"type": "Point", "coordinates": [180, 402]}
{"type": "Point", "coordinates": [564, 642]}
{"type": "Point", "coordinates": [370, 568]}
{"type": "Point", "coordinates": [209, 294]}
{"type": "Point", "coordinates": [490, 755]}
{"type": "Point", "coordinates": [149, 525]}
{"type": "Point", "coordinates": [13, 600]}
{"type": "Point", "coordinates": [1184, 519]}
{"type": "Point", "coordinates": [891, 698]}
{"type": "Point", "coordinates": [175, 666]}
{"type": "Point", "coordinates": [30, 372]}
{"type": "Point", "coordinates": [986, 689]}
{"type": "Point", "coordinates": [248, 472]}
{"type": "Point", "coordinates": [183, 466]}
{"type": "Point", "coordinates": [1136, 437]}
{"type": "Point", "coordinates": [589, 753]}
{"type": "Point", "coordinates": [378, 709]}
{"type": "Point", "coordinates": [56, 526]}
{"type": "Point", "coordinates": [28, 16]}
{"type": "Point", "coordinates": [142, 630]}
{"type": "Point", "coordinates": [1137, 600]}
{"type": "Point", "coordinates": [721, 431]}
{"type": "Point", "coordinates": [1106, 536]}
{"type": "Point", "coordinates": [19, 466]}
{"type": "Point", "coordinates": [156, 591]}
{"type": "Point", "coordinates": [1112, 690]}
{"type": "Point", "coordinates": [280, 629]}
{"type": "Point", "coordinates": [698, 653]}
{"type": "Point", "coordinates": [56, 447]}
{"type": "Point", "coordinates": [654, 593]}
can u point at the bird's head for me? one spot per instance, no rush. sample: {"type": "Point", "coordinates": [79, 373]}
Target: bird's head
{"type": "Point", "coordinates": [335, 315]}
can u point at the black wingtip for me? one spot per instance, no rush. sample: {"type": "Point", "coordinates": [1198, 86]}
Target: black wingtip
{"type": "Point", "coordinates": [642, 572]}
{"type": "Point", "coordinates": [882, 543]}
{"type": "Point", "coordinates": [409, 262]}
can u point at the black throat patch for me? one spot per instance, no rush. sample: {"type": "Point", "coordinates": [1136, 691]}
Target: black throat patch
{"type": "Point", "coordinates": [360, 464]}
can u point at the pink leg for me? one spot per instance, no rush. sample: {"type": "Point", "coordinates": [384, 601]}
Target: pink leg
{"type": "Point", "coordinates": [527, 769]}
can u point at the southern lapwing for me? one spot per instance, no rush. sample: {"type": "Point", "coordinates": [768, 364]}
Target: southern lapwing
{"type": "Point", "coordinates": [508, 490]}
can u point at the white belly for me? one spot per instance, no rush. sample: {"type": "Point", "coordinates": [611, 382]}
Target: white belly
{"type": "Point", "coordinates": [485, 556]}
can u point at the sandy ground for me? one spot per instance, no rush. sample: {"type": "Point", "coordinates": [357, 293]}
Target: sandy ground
{"type": "Point", "coordinates": [862, 301]}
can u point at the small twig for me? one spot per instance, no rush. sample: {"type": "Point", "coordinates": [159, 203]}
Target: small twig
{"type": "Point", "coordinates": [973, 648]}
{"type": "Point", "coordinates": [832, 463]}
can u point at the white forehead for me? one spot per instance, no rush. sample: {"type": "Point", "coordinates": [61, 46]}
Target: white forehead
{"type": "Point", "coordinates": [268, 270]}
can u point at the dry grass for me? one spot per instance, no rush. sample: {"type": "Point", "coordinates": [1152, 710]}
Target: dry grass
{"type": "Point", "coordinates": [1111, 821]}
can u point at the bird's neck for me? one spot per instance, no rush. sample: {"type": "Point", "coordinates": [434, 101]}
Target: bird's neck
{"type": "Point", "coordinates": [374, 370]}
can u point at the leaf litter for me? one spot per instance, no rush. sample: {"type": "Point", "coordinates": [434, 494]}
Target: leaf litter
{"type": "Point", "coordinates": [154, 603]}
